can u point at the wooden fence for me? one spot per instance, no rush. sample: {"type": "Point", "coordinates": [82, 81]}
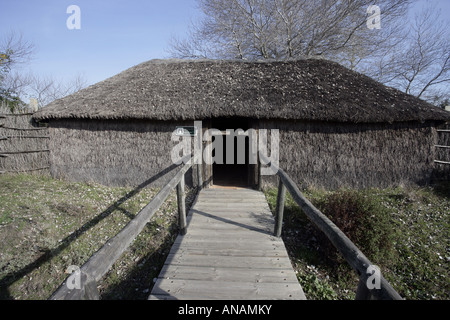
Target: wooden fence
{"type": "Point", "coordinates": [347, 248]}
{"type": "Point", "coordinates": [443, 146]}
{"type": "Point", "coordinates": [100, 263]}
{"type": "Point", "coordinates": [441, 165]}
{"type": "Point", "coordinates": [23, 146]}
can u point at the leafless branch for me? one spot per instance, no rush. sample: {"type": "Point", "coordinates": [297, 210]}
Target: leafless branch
{"type": "Point", "coordinates": [18, 50]}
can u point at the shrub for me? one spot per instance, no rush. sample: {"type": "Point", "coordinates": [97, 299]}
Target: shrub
{"type": "Point", "coordinates": [364, 221]}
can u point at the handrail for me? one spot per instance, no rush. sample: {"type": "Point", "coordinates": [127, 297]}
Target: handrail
{"type": "Point", "coordinates": [101, 261]}
{"type": "Point", "coordinates": [357, 260]}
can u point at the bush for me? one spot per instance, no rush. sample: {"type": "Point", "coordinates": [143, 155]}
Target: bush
{"type": "Point", "coordinates": [364, 221]}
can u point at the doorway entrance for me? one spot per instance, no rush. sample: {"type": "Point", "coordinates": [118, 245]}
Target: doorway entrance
{"type": "Point", "coordinates": [234, 170]}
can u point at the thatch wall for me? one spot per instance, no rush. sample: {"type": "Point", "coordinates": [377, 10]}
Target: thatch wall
{"type": "Point", "coordinates": [321, 154]}
{"type": "Point", "coordinates": [333, 155]}
{"type": "Point", "coordinates": [23, 145]}
{"type": "Point", "coordinates": [114, 153]}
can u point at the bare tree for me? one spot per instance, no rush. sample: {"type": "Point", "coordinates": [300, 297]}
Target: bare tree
{"type": "Point", "coordinates": [420, 65]}
{"type": "Point", "coordinates": [411, 56]}
{"type": "Point", "coordinates": [48, 89]}
{"type": "Point", "coordinates": [285, 29]}
{"type": "Point", "coordinates": [16, 84]}
{"type": "Point", "coordinates": [15, 50]}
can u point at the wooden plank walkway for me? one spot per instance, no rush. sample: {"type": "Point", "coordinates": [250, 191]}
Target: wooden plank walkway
{"type": "Point", "coordinates": [228, 253]}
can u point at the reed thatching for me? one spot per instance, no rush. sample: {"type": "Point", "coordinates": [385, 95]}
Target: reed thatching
{"type": "Point", "coordinates": [23, 146]}
{"type": "Point", "coordinates": [332, 155]}
{"type": "Point", "coordinates": [337, 127]}
{"type": "Point", "coordinates": [115, 153]}
{"type": "Point", "coordinates": [309, 89]}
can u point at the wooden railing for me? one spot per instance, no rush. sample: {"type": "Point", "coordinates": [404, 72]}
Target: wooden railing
{"type": "Point", "coordinates": [100, 263]}
{"type": "Point", "coordinates": [439, 146]}
{"type": "Point", "coordinates": [347, 248]}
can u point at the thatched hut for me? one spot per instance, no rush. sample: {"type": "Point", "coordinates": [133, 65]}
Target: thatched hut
{"type": "Point", "coordinates": [336, 127]}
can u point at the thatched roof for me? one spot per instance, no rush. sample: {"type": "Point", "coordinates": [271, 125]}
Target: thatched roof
{"type": "Point", "coordinates": [310, 89]}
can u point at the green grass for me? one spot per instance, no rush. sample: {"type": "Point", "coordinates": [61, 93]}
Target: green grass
{"type": "Point", "coordinates": [47, 225]}
{"type": "Point", "coordinates": [416, 257]}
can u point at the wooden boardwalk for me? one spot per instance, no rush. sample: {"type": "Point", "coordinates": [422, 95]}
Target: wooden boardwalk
{"type": "Point", "coordinates": [228, 253]}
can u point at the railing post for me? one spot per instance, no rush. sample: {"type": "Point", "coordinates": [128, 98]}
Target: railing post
{"type": "Point", "coordinates": [181, 206]}
{"type": "Point", "coordinates": [198, 156]}
{"type": "Point", "coordinates": [259, 187]}
{"type": "Point", "coordinates": [362, 292]}
{"type": "Point", "coordinates": [199, 176]}
{"type": "Point", "coordinates": [280, 208]}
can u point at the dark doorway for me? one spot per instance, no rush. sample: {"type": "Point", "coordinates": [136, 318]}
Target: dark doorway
{"type": "Point", "coordinates": [235, 174]}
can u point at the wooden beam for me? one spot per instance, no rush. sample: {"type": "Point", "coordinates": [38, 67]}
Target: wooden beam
{"type": "Point", "coordinates": [24, 137]}
{"type": "Point", "coordinates": [22, 129]}
{"type": "Point", "coordinates": [24, 170]}
{"type": "Point", "coordinates": [441, 162]}
{"type": "Point", "coordinates": [21, 152]}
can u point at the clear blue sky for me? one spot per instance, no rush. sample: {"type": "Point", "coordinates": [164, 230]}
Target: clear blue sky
{"type": "Point", "coordinates": [114, 34]}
